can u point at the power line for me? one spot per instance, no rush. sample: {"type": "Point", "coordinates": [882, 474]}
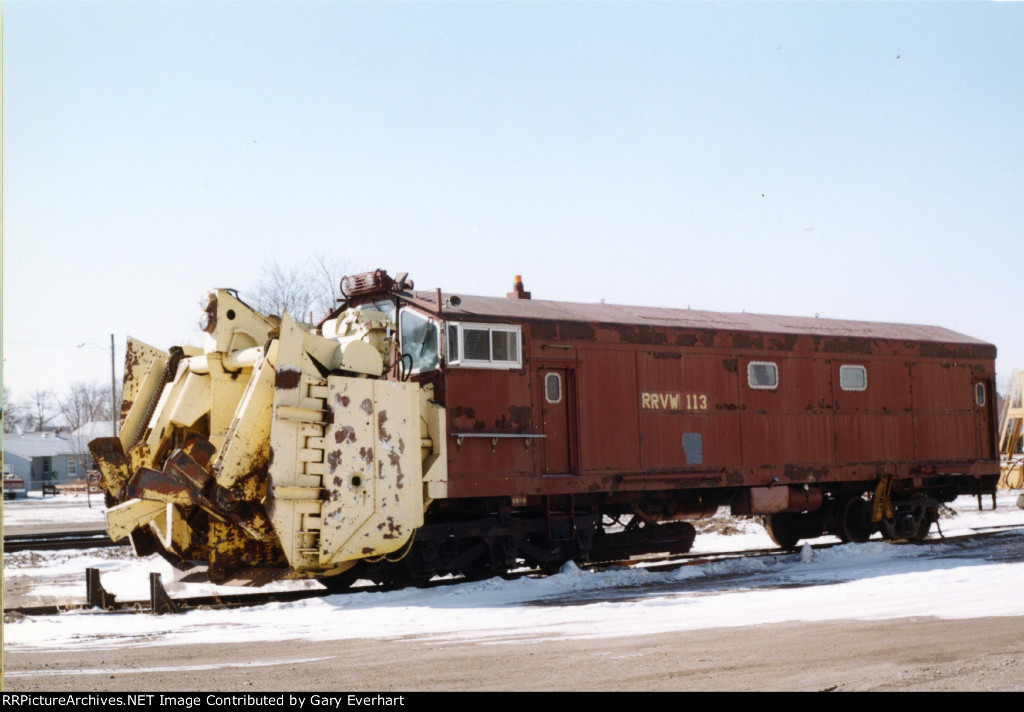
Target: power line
{"type": "Point", "coordinates": [51, 344]}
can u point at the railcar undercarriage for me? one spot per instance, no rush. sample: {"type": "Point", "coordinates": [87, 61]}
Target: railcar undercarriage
{"type": "Point", "coordinates": [904, 514]}
{"type": "Point", "coordinates": [500, 542]}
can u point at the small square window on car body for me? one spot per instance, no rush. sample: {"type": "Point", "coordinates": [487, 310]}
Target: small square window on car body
{"type": "Point", "coordinates": [853, 378]}
{"type": "Point", "coordinates": [762, 375]}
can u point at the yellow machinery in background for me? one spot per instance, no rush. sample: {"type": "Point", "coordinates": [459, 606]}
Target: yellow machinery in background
{"type": "Point", "coordinates": [1011, 431]}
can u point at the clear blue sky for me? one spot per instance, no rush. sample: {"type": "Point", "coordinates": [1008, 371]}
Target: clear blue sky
{"type": "Point", "coordinates": [860, 161]}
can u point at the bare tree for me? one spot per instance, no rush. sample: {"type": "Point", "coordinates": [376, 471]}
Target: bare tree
{"type": "Point", "coordinates": [326, 274]}
{"type": "Point", "coordinates": [43, 408]}
{"type": "Point", "coordinates": [281, 289]}
{"type": "Point", "coordinates": [306, 291]}
{"type": "Point", "coordinates": [15, 414]}
{"type": "Point", "coordinates": [84, 403]}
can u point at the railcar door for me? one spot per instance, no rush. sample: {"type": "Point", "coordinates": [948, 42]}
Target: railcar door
{"type": "Point", "coordinates": [984, 408]}
{"type": "Point", "coordinates": [557, 391]}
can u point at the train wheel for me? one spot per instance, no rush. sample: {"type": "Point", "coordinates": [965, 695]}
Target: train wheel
{"type": "Point", "coordinates": [926, 511]}
{"type": "Point", "coordinates": [782, 529]}
{"type": "Point", "coordinates": [550, 568]}
{"type": "Point", "coordinates": [344, 580]}
{"type": "Point", "coordinates": [921, 533]}
{"type": "Point", "coordinates": [854, 521]}
{"type": "Point", "coordinates": [478, 570]}
{"type": "Point", "coordinates": [912, 520]}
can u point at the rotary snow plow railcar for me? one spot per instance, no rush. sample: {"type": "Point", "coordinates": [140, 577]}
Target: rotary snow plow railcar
{"type": "Point", "coordinates": [418, 433]}
{"type": "Point", "coordinates": [276, 450]}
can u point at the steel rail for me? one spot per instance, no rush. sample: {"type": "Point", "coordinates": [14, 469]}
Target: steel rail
{"type": "Point", "coordinates": [59, 540]}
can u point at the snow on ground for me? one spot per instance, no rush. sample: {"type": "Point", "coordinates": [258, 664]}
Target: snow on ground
{"type": "Point", "coordinates": [874, 580]}
{"type": "Point", "coordinates": [66, 508]}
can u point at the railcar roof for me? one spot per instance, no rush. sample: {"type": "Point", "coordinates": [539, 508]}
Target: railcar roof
{"type": "Point", "coordinates": [505, 309]}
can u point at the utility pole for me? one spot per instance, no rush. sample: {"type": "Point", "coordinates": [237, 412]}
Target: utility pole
{"type": "Point", "coordinates": [113, 390]}
{"type": "Point", "coordinates": [113, 419]}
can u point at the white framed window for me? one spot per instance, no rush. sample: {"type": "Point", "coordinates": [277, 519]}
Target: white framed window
{"type": "Point", "coordinates": [484, 345]}
{"type": "Point", "coordinates": [979, 393]}
{"type": "Point", "coordinates": [763, 375]}
{"type": "Point", "coordinates": [853, 378]}
{"type": "Point", "coordinates": [72, 465]}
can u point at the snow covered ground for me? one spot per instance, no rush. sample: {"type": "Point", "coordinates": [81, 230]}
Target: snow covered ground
{"type": "Point", "coordinates": [874, 580]}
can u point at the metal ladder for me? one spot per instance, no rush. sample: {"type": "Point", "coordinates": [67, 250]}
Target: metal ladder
{"type": "Point", "coordinates": [1011, 431]}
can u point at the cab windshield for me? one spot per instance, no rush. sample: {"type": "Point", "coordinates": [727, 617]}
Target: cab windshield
{"type": "Point", "coordinates": [419, 339]}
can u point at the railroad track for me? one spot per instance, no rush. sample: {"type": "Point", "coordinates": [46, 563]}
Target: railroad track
{"type": "Point", "coordinates": [675, 561]}
{"type": "Point", "coordinates": [98, 599]}
{"type": "Point", "coordinates": [59, 540]}
{"type": "Point", "coordinates": [160, 602]}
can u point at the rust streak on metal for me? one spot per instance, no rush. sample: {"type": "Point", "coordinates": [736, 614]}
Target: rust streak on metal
{"type": "Point", "coordinates": [333, 460]}
{"type": "Point", "coordinates": [521, 415]}
{"type": "Point", "coordinates": [393, 530]}
{"type": "Point", "coordinates": [287, 378]}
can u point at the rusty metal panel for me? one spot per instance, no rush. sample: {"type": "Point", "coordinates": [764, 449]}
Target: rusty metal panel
{"type": "Point", "coordinates": [609, 437]}
{"type": "Point", "coordinates": [660, 375]}
{"type": "Point", "coordinates": [874, 424]}
{"type": "Point", "coordinates": [942, 387]}
{"type": "Point", "coordinates": [144, 372]}
{"type": "Point", "coordinates": [689, 441]}
{"type": "Point", "coordinates": [787, 439]}
{"type": "Point", "coordinates": [887, 389]}
{"type": "Point", "coordinates": [804, 385]}
{"type": "Point", "coordinates": [663, 403]}
{"type": "Point", "coordinates": [714, 375]}
{"type": "Point", "coordinates": [481, 401]}
{"type": "Point", "coordinates": [791, 423]}
{"type": "Point", "coordinates": [948, 436]}
{"type": "Point", "coordinates": [944, 419]}
{"type": "Point", "coordinates": [373, 478]}
{"type": "Point", "coordinates": [717, 376]}
{"type": "Point", "coordinates": [874, 437]}
{"type": "Point", "coordinates": [486, 400]}
{"type": "Point", "coordinates": [689, 416]}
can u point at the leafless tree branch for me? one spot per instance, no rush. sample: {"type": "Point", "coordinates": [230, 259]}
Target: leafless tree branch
{"type": "Point", "coordinates": [43, 408]}
{"type": "Point", "coordinates": [84, 403]}
{"type": "Point", "coordinates": [15, 414]}
{"type": "Point", "coordinates": [308, 292]}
